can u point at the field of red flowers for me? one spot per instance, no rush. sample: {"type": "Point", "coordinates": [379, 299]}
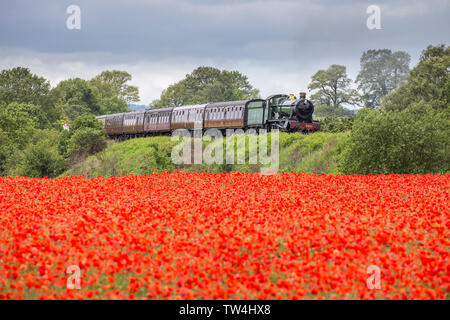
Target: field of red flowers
{"type": "Point", "coordinates": [225, 236]}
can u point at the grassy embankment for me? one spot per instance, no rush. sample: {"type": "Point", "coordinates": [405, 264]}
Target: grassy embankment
{"type": "Point", "coordinates": [318, 152]}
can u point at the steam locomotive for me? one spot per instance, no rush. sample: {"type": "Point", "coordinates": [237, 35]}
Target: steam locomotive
{"type": "Point", "coordinates": [279, 111]}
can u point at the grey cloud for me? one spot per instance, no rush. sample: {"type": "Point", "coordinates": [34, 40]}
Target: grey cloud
{"type": "Point", "coordinates": [279, 36]}
{"type": "Point", "coordinates": [222, 28]}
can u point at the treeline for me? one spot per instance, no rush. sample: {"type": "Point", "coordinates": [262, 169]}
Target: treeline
{"type": "Point", "coordinates": [32, 139]}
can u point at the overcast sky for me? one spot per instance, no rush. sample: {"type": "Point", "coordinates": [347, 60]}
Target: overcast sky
{"type": "Point", "coordinates": [278, 44]}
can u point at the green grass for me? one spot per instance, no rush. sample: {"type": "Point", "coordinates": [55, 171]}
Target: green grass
{"type": "Point", "coordinates": [317, 152]}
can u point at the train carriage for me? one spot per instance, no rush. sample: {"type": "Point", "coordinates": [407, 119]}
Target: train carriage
{"type": "Point", "coordinates": [187, 117]}
{"type": "Point", "coordinates": [157, 120]}
{"type": "Point", "coordinates": [230, 114]}
{"type": "Point", "coordinates": [133, 122]}
{"type": "Point", "coordinates": [113, 124]}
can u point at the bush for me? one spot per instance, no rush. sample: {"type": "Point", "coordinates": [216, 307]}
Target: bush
{"type": "Point", "coordinates": [86, 141]}
{"type": "Point", "coordinates": [86, 137]}
{"type": "Point", "coordinates": [40, 157]}
{"type": "Point", "coordinates": [336, 124]}
{"type": "Point", "coordinates": [86, 121]}
{"type": "Point", "coordinates": [414, 140]}
{"type": "Point", "coordinates": [327, 111]}
{"type": "Point", "coordinates": [18, 124]}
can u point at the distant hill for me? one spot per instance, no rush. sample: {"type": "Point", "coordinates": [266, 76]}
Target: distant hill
{"type": "Point", "coordinates": [137, 107]}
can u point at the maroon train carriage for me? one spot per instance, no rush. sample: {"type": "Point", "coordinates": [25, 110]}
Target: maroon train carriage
{"type": "Point", "coordinates": [157, 121]}
{"type": "Point", "coordinates": [188, 117]}
{"type": "Point", "coordinates": [133, 122]}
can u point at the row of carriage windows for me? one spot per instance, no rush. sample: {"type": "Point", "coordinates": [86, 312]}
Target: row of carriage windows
{"type": "Point", "coordinates": [192, 115]}
{"type": "Point", "coordinates": [211, 114]}
{"type": "Point", "coordinates": [154, 119]}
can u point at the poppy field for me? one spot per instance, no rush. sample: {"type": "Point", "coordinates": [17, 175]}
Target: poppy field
{"type": "Point", "coordinates": [225, 236]}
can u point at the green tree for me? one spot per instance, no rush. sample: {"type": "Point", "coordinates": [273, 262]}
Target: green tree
{"type": "Point", "coordinates": [19, 85]}
{"type": "Point", "coordinates": [332, 87]}
{"type": "Point", "coordinates": [336, 124]}
{"type": "Point", "coordinates": [428, 83]}
{"type": "Point", "coordinates": [40, 157]}
{"type": "Point", "coordinates": [18, 123]}
{"type": "Point", "coordinates": [207, 84]}
{"type": "Point", "coordinates": [6, 149]}
{"type": "Point", "coordinates": [327, 111]}
{"type": "Point", "coordinates": [86, 121]}
{"type": "Point", "coordinates": [414, 140]}
{"type": "Point", "coordinates": [175, 95]}
{"type": "Point", "coordinates": [86, 136]}
{"type": "Point", "coordinates": [77, 97]}
{"type": "Point", "coordinates": [381, 72]}
{"type": "Point", "coordinates": [86, 141]}
{"type": "Point", "coordinates": [114, 83]}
